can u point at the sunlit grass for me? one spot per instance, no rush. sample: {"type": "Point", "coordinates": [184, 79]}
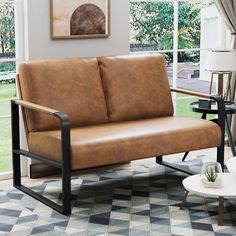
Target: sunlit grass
{"type": "Point", "coordinates": [5, 145]}
{"type": "Point", "coordinates": [7, 92]}
{"type": "Point", "coordinates": [183, 107]}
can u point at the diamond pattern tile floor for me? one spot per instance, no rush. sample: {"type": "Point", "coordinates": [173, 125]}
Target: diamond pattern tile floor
{"type": "Point", "coordinates": [133, 200]}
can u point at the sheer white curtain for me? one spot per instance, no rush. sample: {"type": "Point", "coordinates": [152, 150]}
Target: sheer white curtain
{"type": "Point", "coordinates": [227, 9]}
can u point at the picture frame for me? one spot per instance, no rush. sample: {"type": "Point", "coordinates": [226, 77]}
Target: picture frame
{"type": "Point", "coordinates": [74, 19]}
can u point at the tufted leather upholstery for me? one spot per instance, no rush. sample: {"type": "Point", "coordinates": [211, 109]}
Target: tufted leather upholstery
{"type": "Point", "coordinates": [72, 86]}
{"type": "Point", "coordinates": [136, 87]}
{"type": "Point", "coordinates": [124, 141]}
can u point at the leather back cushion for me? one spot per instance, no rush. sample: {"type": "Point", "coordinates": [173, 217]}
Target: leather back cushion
{"type": "Point", "coordinates": [136, 87]}
{"type": "Point", "coordinates": [72, 86]}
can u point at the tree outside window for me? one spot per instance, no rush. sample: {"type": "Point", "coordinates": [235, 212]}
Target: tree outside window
{"type": "Point", "coordinates": [152, 30]}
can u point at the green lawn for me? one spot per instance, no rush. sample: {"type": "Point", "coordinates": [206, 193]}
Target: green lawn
{"type": "Point", "coordinates": [5, 108]}
{"type": "Point", "coordinates": [182, 106]}
{"type": "Point", "coordinates": [5, 145]}
{"type": "Point", "coordinates": [7, 92]}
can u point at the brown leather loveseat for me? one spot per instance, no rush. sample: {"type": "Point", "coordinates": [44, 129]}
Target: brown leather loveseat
{"type": "Point", "coordinates": [83, 113]}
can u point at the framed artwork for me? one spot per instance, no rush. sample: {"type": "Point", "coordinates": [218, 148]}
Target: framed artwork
{"type": "Point", "coordinates": [79, 19]}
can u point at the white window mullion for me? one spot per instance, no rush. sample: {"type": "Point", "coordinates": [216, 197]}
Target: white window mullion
{"type": "Point", "coordinates": [21, 41]}
{"type": "Point", "coordinates": [21, 45]}
{"type": "Point", "coordinates": [175, 50]}
{"type": "Point", "coordinates": [175, 43]}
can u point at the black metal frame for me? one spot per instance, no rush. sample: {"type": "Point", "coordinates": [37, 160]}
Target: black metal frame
{"type": "Point", "coordinates": [64, 164]}
{"type": "Point", "coordinates": [220, 149]}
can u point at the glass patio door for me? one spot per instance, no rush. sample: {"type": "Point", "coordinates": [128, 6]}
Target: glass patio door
{"type": "Point", "coordinates": [8, 64]}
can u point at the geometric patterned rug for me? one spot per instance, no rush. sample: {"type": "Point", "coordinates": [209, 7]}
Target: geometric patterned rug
{"type": "Point", "coordinates": [126, 200]}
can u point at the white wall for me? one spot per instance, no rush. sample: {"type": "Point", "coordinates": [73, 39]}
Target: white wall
{"type": "Point", "coordinates": [40, 46]}
{"type": "Point", "coordinates": [34, 37]}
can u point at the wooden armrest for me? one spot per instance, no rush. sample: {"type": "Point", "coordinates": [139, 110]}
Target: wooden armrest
{"type": "Point", "coordinates": [36, 107]}
{"type": "Point", "coordinates": [197, 94]}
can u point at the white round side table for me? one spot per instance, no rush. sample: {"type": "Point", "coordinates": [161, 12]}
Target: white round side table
{"type": "Point", "coordinates": [194, 185]}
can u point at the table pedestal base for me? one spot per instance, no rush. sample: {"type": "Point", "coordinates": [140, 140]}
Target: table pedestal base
{"type": "Point", "coordinates": [221, 211]}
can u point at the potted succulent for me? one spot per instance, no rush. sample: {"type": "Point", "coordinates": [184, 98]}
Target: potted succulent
{"type": "Point", "coordinates": [211, 175]}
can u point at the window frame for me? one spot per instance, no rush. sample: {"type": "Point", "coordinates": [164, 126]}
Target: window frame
{"type": "Point", "coordinates": [19, 7]}
{"type": "Point", "coordinates": [175, 49]}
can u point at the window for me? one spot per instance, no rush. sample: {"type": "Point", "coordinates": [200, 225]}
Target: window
{"type": "Point", "coordinates": [183, 31]}
{"type": "Point", "coordinates": [7, 79]}
{"type": "Point", "coordinates": [152, 25]}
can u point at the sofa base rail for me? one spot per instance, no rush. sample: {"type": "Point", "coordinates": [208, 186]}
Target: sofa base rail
{"type": "Point", "coordinates": [65, 208]}
{"type": "Point", "coordinates": [42, 199]}
{"type": "Point", "coordinates": [159, 160]}
{"type": "Point", "coordinates": [38, 158]}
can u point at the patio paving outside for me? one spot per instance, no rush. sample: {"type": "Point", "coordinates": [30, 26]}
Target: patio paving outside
{"type": "Point", "coordinates": [188, 78]}
{"type": "Point", "coordinates": [194, 84]}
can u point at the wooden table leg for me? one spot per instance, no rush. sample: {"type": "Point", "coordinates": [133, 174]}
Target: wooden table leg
{"type": "Point", "coordinates": [184, 201]}
{"type": "Point", "coordinates": [221, 211]}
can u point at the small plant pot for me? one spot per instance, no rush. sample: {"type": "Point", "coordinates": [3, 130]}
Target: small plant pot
{"type": "Point", "coordinates": [211, 175]}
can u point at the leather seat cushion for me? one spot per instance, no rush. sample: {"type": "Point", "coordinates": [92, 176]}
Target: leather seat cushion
{"type": "Point", "coordinates": [112, 143]}
{"type": "Point", "coordinates": [72, 86]}
{"type": "Point", "coordinates": [136, 87]}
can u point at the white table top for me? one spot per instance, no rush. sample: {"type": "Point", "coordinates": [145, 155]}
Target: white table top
{"type": "Point", "coordinates": [228, 190]}
{"type": "Point", "coordinates": [231, 165]}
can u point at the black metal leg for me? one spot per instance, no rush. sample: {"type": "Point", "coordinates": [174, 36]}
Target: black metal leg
{"type": "Point", "coordinates": [221, 211]}
{"type": "Point", "coordinates": [221, 123]}
{"type": "Point", "coordinates": [204, 116]}
{"type": "Point", "coordinates": [66, 168]}
{"type": "Point", "coordinates": [229, 135]}
{"type": "Point", "coordinates": [15, 145]}
{"type": "Point", "coordinates": [65, 208]}
{"type": "Point", "coordinates": [159, 159]}
{"type": "Point", "coordinates": [185, 155]}
{"type": "Point", "coordinates": [221, 151]}
{"type": "Point", "coordinates": [66, 192]}
{"type": "Point", "coordinates": [220, 156]}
